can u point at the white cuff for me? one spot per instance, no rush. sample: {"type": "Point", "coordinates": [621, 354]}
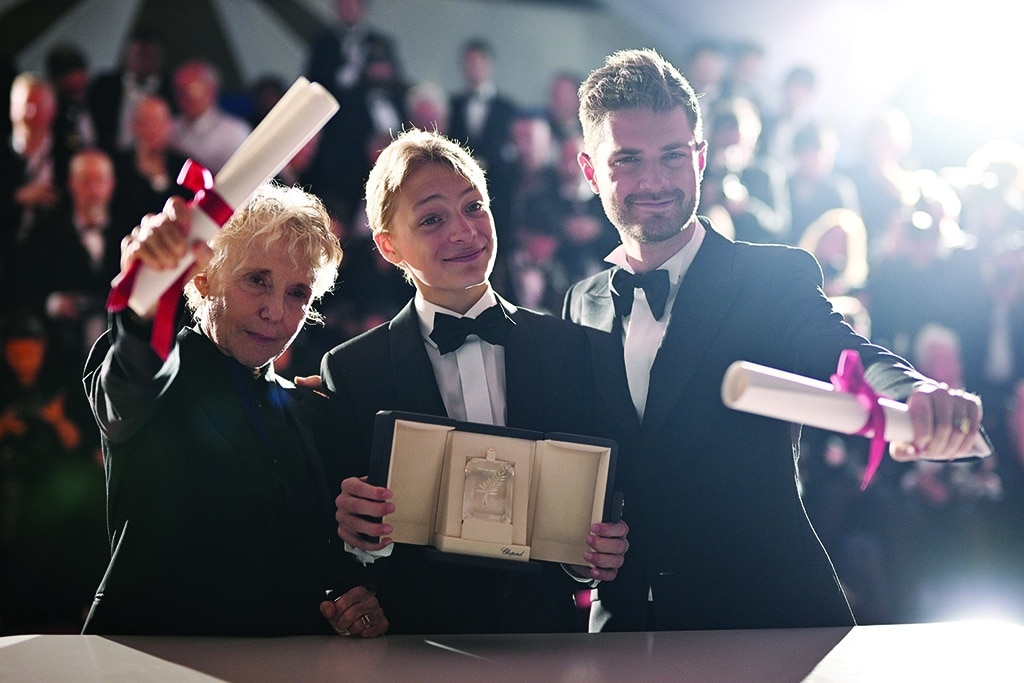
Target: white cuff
{"type": "Point", "coordinates": [366, 557]}
{"type": "Point", "coordinates": [578, 577]}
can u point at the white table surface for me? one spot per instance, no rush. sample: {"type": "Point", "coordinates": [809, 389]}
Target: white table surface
{"type": "Point", "coordinates": [967, 651]}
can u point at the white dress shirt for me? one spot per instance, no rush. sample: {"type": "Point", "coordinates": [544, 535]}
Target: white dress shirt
{"type": "Point", "coordinates": [472, 384]}
{"type": "Point", "coordinates": [134, 91]}
{"type": "Point", "coordinates": [212, 138]}
{"type": "Point", "coordinates": [641, 332]}
{"type": "Point", "coordinates": [472, 378]}
{"type": "Point", "coordinates": [352, 41]}
{"type": "Point", "coordinates": [93, 238]}
{"type": "Point", "coordinates": [477, 106]}
{"type": "Point", "coordinates": [999, 358]}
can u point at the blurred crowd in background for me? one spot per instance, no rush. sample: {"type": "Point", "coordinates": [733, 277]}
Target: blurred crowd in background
{"type": "Point", "coordinates": [927, 261]}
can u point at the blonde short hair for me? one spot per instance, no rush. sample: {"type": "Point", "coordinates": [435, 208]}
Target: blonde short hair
{"type": "Point", "coordinates": [412, 149]}
{"type": "Point", "coordinates": [283, 220]}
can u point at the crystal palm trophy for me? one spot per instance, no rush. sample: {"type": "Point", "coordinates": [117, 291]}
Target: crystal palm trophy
{"type": "Point", "coordinates": [488, 491]}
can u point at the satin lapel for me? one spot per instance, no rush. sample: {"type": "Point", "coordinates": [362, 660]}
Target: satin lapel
{"type": "Point", "coordinates": [216, 394]}
{"type": "Point", "coordinates": [522, 350]}
{"type": "Point", "coordinates": [697, 315]}
{"type": "Point", "coordinates": [294, 409]}
{"type": "Point", "coordinates": [215, 391]}
{"type": "Point", "coordinates": [597, 310]}
{"type": "Point", "coordinates": [413, 375]}
{"type": "Point", "coordinates": [610, 379]}
{"type": "Point", "coordinates": [598, 313]}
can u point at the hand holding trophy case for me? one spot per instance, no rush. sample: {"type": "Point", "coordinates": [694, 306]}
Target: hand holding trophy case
{"type": "Point", "coordinates": [482, 491]}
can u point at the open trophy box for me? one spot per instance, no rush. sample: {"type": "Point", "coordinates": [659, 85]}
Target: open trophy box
{"type": "Point", "coordinates": [493, 492]}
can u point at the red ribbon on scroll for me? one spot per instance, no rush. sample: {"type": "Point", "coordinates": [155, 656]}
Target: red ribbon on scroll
{"type": "Point", "coordinates": [199, 180]}
{"type": "Point", "coordinates": [849, 378]}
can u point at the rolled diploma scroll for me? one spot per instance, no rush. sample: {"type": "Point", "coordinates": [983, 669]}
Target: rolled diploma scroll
{"type": "Point", "coordinates": [293, 121]}
{"type": "Point", "coordinates": [782, 395]}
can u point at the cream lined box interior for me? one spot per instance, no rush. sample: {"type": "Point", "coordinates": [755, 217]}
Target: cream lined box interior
{"type": "Point", "coordinates": [492, 491]}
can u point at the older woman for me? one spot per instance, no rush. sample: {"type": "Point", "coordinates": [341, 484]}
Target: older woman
{"type": "Point", "coordinates": [218, 512]}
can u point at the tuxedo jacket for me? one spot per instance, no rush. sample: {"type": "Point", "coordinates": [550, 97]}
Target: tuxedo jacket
{"type": "Point", "coordinates": [325, 56]}
{"type": "Point", "coordinates": [340, 166]}
{"type": "Point", "coordinates": [55, 248]}
{"type": "Point", "coordinates": [14, 173]}
{"type": "Point", "coordinates": [718, 533]}
{"type": "Point", "coordinates": [54, 259]}
{"type": "Point", "coordinates": [219, 517]}
{"type": "Point", "coordinates": [134, 195]}
{"type": "Point", "coordinates": [106, 101]}
{"type": "Point", "coordinates": [548, 388]}
{"type": "Point", "coordinates": [494, 133]}
{"type": "Point", "coordinates": [488, 148]}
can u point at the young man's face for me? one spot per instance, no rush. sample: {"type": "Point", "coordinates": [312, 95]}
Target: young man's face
{"type": "Point", "coordinates": [144, 57]}
{"type": "Point", "coordinates": [255, 314]}
{"type": "Point", "coordinates": [193, 91]}
{"type": "Point", "coordinates": [91, 182]}
{"type": "Point", "coordinates": [442, 234]}
{"type": "Point", "coordinates": [476, 67]}
{"type": "Point", "coordinates": [153, 123]}
{"type": "Point", "coordinates": [34, 106]}
{"type": "Point", "coordinates": [350, 12]}
{"type": "Point", "coordinates": [647, 168]}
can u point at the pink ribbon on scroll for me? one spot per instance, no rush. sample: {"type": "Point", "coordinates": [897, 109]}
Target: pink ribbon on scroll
{"type": "Point", "coordinates": [199, 180]}
{"type": "Point", "coordinates": [849, 378]}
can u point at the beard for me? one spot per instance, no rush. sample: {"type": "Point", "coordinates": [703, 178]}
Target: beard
{"type": "Point", "coordinates": [646, 227]}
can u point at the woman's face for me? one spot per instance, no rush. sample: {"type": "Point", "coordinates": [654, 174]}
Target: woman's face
{"type": "Point", "coordinates": [255, 312]}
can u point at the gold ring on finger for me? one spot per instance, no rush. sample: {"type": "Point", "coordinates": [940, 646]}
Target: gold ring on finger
{"type": "Point", "coordinates": [963, 425]}
{"type": "Point", "coordinates": [367, 621]}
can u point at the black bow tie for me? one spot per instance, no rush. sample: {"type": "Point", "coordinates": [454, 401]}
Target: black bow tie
{"type": "Point", "coordinates": [450, 333]}
{"type": "Point", "coordinates": [654, 283]}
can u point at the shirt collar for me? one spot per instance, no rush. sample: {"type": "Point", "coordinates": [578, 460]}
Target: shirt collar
{"type": "Point", "coordinates": [205, 121]}
{"type": "Point", "coordinates": [425, 310]}
{"type": "Point", "coordinates": [133, 83]}
{"type": "Point", "coordinates": [356, 31]}
{"type": "Point", "coordinates": [676, 265]}
{"type": "Point", "coordinates": [82, 227]}
{"type": "Point", "coordinates": [486, 91]}
{"type": "Point", "coordinates": [265, 372]}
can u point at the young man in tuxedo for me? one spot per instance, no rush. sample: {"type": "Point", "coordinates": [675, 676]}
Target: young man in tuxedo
{"type": "Point", "coordinates": [428, 209]}
{"type": "Point", "coordinates": [719, 533]}
{"type": "Point", "coordinates": [481, 117]}
{"type": "Point", "coordinates": [114, 94]}
{"type": "Point", "coordinates": [82, 235]}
